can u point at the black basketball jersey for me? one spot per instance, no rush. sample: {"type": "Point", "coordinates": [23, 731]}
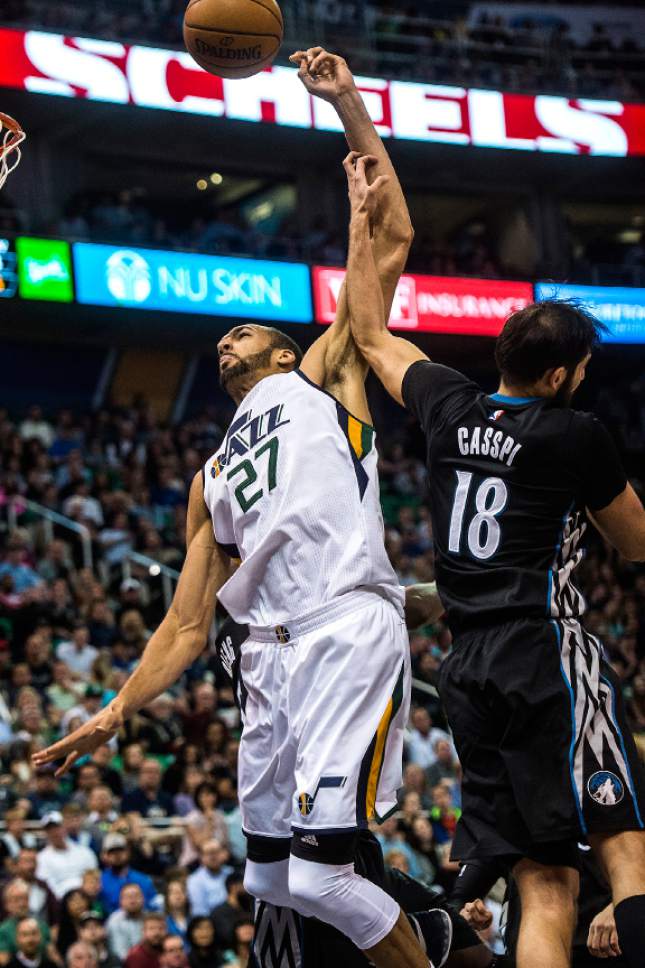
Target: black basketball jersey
{"type": "Point", "coordinates": [510, 482]}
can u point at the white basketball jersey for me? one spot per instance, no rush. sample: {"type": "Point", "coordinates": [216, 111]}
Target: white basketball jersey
{"type": "Point", "coordinates": [293, 492]}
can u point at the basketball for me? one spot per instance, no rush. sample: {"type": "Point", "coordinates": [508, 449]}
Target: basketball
{"type": "Point", "coordinates": [233, 38]}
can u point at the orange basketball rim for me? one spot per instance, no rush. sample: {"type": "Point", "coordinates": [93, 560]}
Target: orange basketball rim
{"type": "Point", "coordinates": [11, 137]}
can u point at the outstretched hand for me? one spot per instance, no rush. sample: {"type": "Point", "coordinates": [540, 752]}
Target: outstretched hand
{"type": "Point", "coordinates": [363, 197]}
{"type": "Point", "coordinates": [324, 75]}
{"type": "Point", "coordinates": [86, 739]}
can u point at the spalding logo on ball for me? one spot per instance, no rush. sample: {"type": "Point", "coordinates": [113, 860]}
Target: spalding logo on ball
{"type": "Point", "coordinates": [233, 38]}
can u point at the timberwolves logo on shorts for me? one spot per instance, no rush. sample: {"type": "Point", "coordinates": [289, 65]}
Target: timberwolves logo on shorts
{"type": "Point", "coordinates": [606, 789]}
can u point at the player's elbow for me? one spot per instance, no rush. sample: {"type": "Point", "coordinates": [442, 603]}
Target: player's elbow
{"type": "Point", "coordinates": [190, 633]}
{"type": "Point", "coordinates": [632, 549]}
{"type": "Point", "coordinates": [400, 234]}
{"type": "Point", "coordinates": [367, 338]}
{"type": "Point", "coordinates": [629, 542]}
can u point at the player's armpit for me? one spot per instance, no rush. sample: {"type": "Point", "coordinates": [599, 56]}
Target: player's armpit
{"type": "Point", "coordinates": [623, 524]}
{"type": "Point", "coordinates": [335, 364]}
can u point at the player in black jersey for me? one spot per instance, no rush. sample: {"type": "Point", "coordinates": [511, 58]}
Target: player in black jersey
{"type": "Point", "coordinates": [536, 711]}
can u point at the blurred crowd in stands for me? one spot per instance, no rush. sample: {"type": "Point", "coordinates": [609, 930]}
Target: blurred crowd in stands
{"type": "Point", "coordinates": [432, 42]}
{"type": "Point", "coordinates": [470, 250]}
{"type": "Point", "coordinates": [130, 218]}
{"type": "Point", "coordinates": [136, 857]}
{"type": "Point", "coordinates": [529, 56]}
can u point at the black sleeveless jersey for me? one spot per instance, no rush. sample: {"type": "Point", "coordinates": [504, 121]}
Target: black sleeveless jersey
{"type": "Point", "coordinates": [511, 480]}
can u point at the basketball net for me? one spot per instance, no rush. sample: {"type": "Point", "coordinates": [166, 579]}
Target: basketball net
{"type": "Point", "coordinates": [11, 137]}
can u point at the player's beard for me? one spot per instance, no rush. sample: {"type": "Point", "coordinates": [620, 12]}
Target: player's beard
{"type": "Point", "coordinates": [257, 361]}
{"type": "Point", "coordinates": [564, 396]}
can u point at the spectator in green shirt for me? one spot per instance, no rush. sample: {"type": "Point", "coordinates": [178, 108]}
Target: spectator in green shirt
{"type": "Point", "coordinates": [29, 952]}
{"type": "Point", "coordinates": [64, 693]}
{"type": "Point", "coordinates": [16, 903]}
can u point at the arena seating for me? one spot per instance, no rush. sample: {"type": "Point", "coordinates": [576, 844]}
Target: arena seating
{"type": "Point", "coordinates": [438, 42]}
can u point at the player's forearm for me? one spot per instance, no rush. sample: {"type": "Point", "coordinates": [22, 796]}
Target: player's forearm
{"type": "Point", "coordinates": [366, 307]}
{"type": "Point", "coordinates": [183, 634]}
{"type": "Point", "coordinates": [394, 224]}
{"type": "Point", "coordinates": [170, 651]}
{"type": "Point", "coordinates": [622, 523]}
{"type": "Point", "coordinates": [475, 881]}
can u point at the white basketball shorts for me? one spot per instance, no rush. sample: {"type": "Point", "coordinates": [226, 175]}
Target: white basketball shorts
{"type": "Point", "coordinates": [325, 701]}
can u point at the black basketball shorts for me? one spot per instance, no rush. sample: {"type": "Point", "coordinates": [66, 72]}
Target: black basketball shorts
{"type": "Point", "coordinates": [539, 724]}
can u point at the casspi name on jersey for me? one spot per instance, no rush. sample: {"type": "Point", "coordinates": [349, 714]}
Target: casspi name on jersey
{"type": "Point", "coordinates": [476, 442]}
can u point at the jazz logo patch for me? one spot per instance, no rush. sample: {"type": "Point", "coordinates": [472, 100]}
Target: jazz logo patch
{"type": "Point", "coordinates": [306, 801]}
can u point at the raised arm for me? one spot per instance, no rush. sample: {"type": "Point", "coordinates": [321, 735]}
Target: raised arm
{"type": "Point", "coordinates": [390, 357]}
{"type": "Point", "coordinates": [334, 361]}
{"type": "Point", "coordinates": [179, 640]}
{"type": "Point", "coordinates": [328, 77]}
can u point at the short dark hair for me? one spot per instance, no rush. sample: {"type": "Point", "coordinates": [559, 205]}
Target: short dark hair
{"type": "Point", "coordinates": [234, 878]}
{"type": "Point", "coordinates": [280, 341]}
{"type": "Point", "coordinates": [154, 916]}
{"type": "Point", "coordinates": [206, 786]}
{"type": "Point", "coordinates": [544, 336]}
{"type": "Point", "coordinates": [173, 937]}
{"type": "Point", "coordinates": [194, 923]}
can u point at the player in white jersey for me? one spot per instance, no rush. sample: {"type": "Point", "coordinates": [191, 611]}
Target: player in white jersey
{"type": "Point", "coordinates": [293, 492]}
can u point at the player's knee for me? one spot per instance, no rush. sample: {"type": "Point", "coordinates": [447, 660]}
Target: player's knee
{"type": "Point", "coordinates": [622, 856]}
{"type": "Point", "coordinates": [335, 893]}
{"type": "Point", "coordinates": [552, 891]}
{"type": "Point", "coordinates": [555, 904]}
{"type": "Point", "coordinates": [254, 882]}
{"type": "Point", "coordinates": [308, 888]}
{"type": "Point", "coordinates": [620, 850]}
{"type": "Point", "coordinates": [320, 873]}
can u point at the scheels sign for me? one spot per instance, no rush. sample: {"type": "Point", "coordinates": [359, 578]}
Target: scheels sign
{"type": "Point", "coordinates": [435, 304]}
{"type": "Point", "coordinates": [100, 70]}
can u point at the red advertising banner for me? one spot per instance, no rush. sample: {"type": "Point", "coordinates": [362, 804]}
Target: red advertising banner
{"type": "Point", "coordinates": [101, 70]}
{"type": "Point", "coordinates": [435, 304]}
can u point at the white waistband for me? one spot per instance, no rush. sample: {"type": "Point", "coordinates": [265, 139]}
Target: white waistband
{"type": "Point", "coordinates": [294, 628]}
